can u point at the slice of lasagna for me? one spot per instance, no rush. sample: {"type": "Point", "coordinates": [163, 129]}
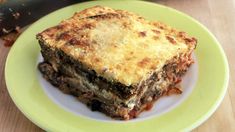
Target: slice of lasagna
{"type": "Point", "coordinates": [115, 61]}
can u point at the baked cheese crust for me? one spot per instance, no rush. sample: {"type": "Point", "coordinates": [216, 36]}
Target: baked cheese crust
{"type": "Point", "coordinates": [118, 45]}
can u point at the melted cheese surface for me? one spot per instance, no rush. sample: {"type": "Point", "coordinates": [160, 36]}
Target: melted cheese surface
{"type": "Point", "coordinates": [118, 45]}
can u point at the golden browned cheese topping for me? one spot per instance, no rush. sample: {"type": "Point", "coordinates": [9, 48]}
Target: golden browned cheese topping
{"type": "Point", "coordinates": [118, 45]}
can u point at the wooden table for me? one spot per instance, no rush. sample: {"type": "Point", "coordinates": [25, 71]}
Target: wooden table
{"type": "Point", "coordinates": [217, 15]}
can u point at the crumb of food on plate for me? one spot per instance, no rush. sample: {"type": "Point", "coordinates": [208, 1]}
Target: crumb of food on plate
{"type": "Point", "coordinates": [10, 9]}
{"type": "Point", "coordinates": [115, 61]}
{"type": "Point", "coordinates": [16, 15]}
{"type": "Point", "coordinates": [5, 30]}
{"type": "Point", "coordinates": [10, 38]}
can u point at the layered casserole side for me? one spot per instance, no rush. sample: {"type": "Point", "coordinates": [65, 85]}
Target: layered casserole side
{"type": "Point", "coordinates": [115, 61]}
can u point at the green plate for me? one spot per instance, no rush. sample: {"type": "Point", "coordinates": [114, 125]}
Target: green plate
{"type": "Point", "coordinates": [23, 85]}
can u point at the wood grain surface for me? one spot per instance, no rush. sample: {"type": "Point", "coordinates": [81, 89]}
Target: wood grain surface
{"type": "Point", "coordinates": [217, 15]}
